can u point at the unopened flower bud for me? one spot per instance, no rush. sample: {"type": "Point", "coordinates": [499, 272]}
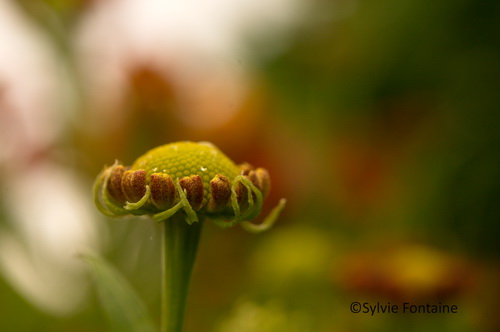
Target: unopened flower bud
{"type": "Point", "coordinates": [162, 190]}
{"type": "Point", "coordinates": [264, 181]}
{"type": "Point", "coordinates": [246, 168]}
{"type": "Point", "coordinates": [115, 184]}
{"type": "Point", "coordinates": [134, 185]}
{"type": "Point", "coordinates": [242, 194]}
{"type": "Point", "coordinates": [220, 193]}
{"type": "Point", "coordinates": [193, 186]}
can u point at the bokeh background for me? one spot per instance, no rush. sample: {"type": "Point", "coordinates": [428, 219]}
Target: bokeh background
{"type": "Point", "coordinates": [378, 121]}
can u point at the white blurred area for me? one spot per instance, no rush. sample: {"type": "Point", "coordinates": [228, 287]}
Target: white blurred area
{"type": "Point", "coordinates": [52, 224]}
{"type": "Point", "coordinates": [47, 217]}
{"type": "Point", "coordinates": [201, 45]}
{"type": "Point", "coordinates": [30, 117]}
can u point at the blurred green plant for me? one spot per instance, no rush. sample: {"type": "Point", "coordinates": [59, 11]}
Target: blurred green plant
{"type": "Point", "coordinates": [123, 308]}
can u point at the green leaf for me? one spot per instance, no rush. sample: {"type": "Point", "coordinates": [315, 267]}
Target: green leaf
{"type": "Point", "coordinates": [124, 309]}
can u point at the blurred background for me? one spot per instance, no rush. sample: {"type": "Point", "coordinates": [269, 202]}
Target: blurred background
{"type": "Point", "coordinates": [378, 120]}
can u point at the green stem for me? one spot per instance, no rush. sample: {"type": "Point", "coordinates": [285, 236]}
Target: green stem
{"type": "Point", "coordinates": [180, 242]}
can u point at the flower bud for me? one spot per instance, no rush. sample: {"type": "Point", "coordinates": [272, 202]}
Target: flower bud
{"type": "Point", "coordinates": [264, 181]}
{"type": "Point", "coordinates": [162, 190]}
{"type": "Point", "coordinates": [193, 186]}
{"type": "Point", "coordinates": [134, 185]}
{"type": "Point", "coordinates": [114, 186]}
{"type": "Point", "coordinates": [246, 168]}
{"type": "Point", "coordinates": [242, 194]}
{"type": "Point", "coordinates": [220, 193]}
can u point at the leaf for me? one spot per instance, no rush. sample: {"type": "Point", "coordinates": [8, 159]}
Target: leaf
{"type": "Point", "coordinates": [124, 309]}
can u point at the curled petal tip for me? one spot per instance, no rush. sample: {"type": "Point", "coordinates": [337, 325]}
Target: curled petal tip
{"type": "Point", "coordinates": [268, 221]}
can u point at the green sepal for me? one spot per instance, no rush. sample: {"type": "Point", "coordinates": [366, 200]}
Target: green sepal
{"type": "Point", "coordinates": [268, 221]}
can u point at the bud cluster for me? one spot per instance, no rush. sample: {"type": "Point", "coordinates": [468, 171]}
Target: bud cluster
{"type": "Point", "coordinates": [130, 186]}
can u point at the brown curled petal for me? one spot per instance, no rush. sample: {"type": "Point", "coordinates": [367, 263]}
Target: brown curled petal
{"type": "Point", "coordinates": [252, 175]}
{"type": "Point", "coordinates": [115, 184]}
{"type": "Point", "coordinates": [264, 181]}
{"type": "Point", "coordinates": [220, 193]}
{"type": "Point", "coordinates": [193, 186]}
{"type": "Point", "coordinates": [242, 194]}
{"type": "Point", "coordinates": [134, 185]}
{"type": "Point", "coordinates": [162, 190]}
{"type": "Point", "coordinates": [246, 168]}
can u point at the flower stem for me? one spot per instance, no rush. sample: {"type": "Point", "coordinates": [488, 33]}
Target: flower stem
{"type": "Point", "coordinates": [180, 242]}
